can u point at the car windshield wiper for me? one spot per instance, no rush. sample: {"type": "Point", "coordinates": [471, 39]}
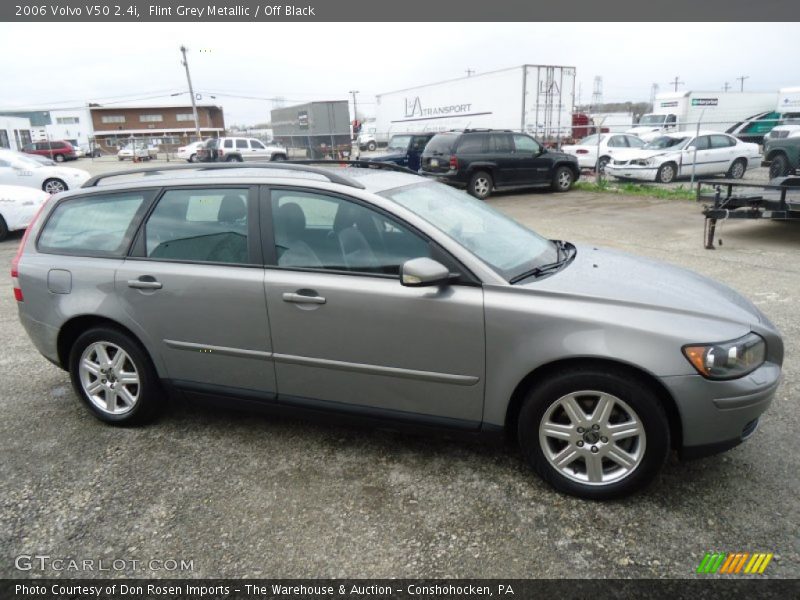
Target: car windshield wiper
{"type": "Point", "coordinates": [562, 252]}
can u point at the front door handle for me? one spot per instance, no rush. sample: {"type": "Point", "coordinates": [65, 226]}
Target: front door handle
{"type": "Point", "coordinates": [145, 282]}
{"type": "Point", "coordinates": [303, 297]}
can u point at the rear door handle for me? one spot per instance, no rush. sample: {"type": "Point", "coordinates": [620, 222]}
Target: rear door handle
{"type": "Point", "coordinates": [145, 282]}
{"type": "Point", "coordinates": [298, 298]}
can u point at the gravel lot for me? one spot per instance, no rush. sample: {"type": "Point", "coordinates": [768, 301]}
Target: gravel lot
{"type": "Point", "coordinates": [249, 496]}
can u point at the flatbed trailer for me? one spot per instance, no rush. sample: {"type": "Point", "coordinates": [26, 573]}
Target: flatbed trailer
{"type": "Point", "coordinates": [778, 199]}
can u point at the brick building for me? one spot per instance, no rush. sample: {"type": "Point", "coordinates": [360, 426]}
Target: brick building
{"type": "Point", "coordinates": [165, 126]}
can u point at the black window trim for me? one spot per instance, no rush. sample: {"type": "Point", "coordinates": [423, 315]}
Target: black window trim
{"type": "Point", "coordinates": [138, 249]}
{"type": "Point", "coordinates": [128, 238]}
{"type": "Point", "coordinates": [466, 277]}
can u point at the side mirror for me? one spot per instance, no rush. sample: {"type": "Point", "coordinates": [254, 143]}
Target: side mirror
{"type": "Point", "coordinates": [419, 272]}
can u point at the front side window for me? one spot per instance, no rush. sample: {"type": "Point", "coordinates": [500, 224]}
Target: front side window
{"type": "Point", "coordinates": [634, 142]}
{"type": "Point", "coordinates": [228, 144]}
{"type": "Point", "coordinates": [255, 144]}
{"type": "Point", "coordinates": [700, 143]}
{"type": "Point", "coordinates": [97, 225]}
{"type": "Point", "coordinates": [617, 141]}
{"type": "Point", "coordinates": [506, 246]}
{"type": "Point", "coordinates": [199, 225]}
{"type": "Point", "coordinates": [324, 232]}
{"type": "Point", "coordinates": [525, 144]}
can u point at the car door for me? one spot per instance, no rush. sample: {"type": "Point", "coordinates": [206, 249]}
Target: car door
{"type": "Point", "coordinates": [258, 151]}
{"type": "Point", "coordinates": [194, 282]}
{"type": "Point", "coordinates": [531, 165]}
{"type": "Point", "coordinates": [509, 166]}
{"type": "Point", "coordinates": [704, 157]}
{"type": "Point", "coordinates": [616, 144]}
{"type": "Point", "coordinates": [347, 334]}
{"type": "Point", "coordinates": [723, 152]}
{"type": "Point", "coordinates": [415, 149]}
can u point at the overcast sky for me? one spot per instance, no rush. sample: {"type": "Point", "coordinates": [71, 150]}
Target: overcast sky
{"type": "Point", "coordinates": [60, 65]}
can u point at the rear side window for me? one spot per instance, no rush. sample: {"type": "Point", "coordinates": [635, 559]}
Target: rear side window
{"type": "Point", "coordinates": [100, 225]}
{"type": "Point", "coordinates": [500, 143]}
{"type": "Point", "coordinates": [241, 143]}
{"type": "Point", "coordinates": [721, 141]}
{"type": "Point", "coordinates": [199, 225]}
{"type": "Point", "coordinates": [228, 144]}
{"type": "Point", "coordinates": [471, 144]}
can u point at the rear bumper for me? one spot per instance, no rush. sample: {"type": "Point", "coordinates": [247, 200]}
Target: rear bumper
{"type": "Point", "coordinates": [717, 415]}
{"type": "Point", "coordinates": [450, 177]}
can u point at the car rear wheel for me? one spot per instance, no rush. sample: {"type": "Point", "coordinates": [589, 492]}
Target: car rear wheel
{"type": "Point", "coordinates": [58, 158]}
{"type": "Point", "coordinates": [597, 434]}
{"type": "Point", "coordinates": [737, 169]}
{"type": "Point", "coordinates": [666, 173]}
{"type": "Point", "coordinates": [779, 167]}
{"type": "Point", "coordinates": [193, 158]}
{"type": "Point", "coordinates": [562, 179]}
{"type": "Point", "coordinates": [278, 157]}
{"type": "Point", "coordinates": [480, 185]}
{"type": "Point", "coordinates": [601, 164]}
{"type": "Point", "coordinates": [372, 146]}
{"type": "Point", "coordinates": [234, 159]}
{"type": "Point", "coordinates": [3, 229]}
{"type": "Point", "coordinates": [114, 378]}
{"type": "Point", "coordinates": [54, 186]}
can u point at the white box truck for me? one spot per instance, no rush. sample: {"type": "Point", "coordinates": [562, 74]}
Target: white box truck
{"type": "Point", "coordinates": [537, 99]}
{"type": "Point", "coordinates": [718, 111]}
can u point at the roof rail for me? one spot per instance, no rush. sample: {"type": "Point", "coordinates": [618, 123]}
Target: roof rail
{"type": "Point", "coordinates": [364, 163]}
{"type": "Point", "coordinates": [332, 176]}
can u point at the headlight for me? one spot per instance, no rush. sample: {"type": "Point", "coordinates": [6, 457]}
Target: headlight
{"type": "Point", "coordinates": [728, 360]}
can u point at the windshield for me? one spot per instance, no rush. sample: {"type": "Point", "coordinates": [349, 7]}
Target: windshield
{"type": "Point", "coordinates": [500, 242]}
{"type": "Point", "coordinates": [399, 142]}
{"type": "Point", "coordinates": [590, 140]}
{"type": "Point", "coordinates": [666, 141]}
{"type": "Point", "coordinates": [25, 162]}
{"type": "Point", "coordinates": [652, 120]}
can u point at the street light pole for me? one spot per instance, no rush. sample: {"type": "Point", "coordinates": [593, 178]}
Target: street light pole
{"type": "Point", "coordinates": [185, 63]}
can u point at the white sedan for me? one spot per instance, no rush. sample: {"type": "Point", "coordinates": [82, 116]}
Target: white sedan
{"type": "Point", "coordinates": [592, 155]}
{"type": "Point", "coordinates": [189, 151]}
{"type": "Point", "coordinates": [18, 169]}
{"type": "Point", "coordinates": [18, 206]}
{"type": "Point", "coordinates": [683, 153]}
{"type": "Point", "coordinates": [142, 152]}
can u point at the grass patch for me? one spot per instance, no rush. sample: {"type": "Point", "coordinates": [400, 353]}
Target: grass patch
{"type": "Point", "coordinates": [627, 188]}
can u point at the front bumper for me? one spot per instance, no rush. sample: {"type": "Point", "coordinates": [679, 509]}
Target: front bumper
{"type": "Point", "coordinates": [632, 172]}
{"type": "Point", "coordinates": [717, 415]}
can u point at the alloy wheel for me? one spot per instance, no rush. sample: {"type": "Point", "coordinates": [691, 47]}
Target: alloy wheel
{"type": "Point", "coordinates": [481, 186]}
{"type": "Point", "coordinates": [54, 186]}
{"type": "Point", "coordinates": [109, 378]}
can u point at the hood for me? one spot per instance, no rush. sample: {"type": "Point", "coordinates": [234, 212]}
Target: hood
{"type": "Point", "coordinates": [617, 277]}
{"type": "Point", "coordinates": [639, 129]}
{"type": "Point", "coordinates": [561, 154]}
{"type": "Point", "coordinates": [389, 156]}
{"type": "Point", "coordinates": [639, 153]}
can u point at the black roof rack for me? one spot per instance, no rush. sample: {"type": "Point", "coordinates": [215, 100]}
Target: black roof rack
{"type": "Point", "coordinates": [301, 166]}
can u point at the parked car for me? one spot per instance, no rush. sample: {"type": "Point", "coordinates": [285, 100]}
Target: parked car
{"type": "Point", "coordinates": [590, 156]}
{"type": "Point", "coordinates": [389, 296]}
{"type": "Point", "coordinates": [20, 169]}
{"type": "Point", "coordinates": [782, 151]}
{"type": "Point", "coordinates": [79, 152]}
{"type": "Point", "coordinates": [140, 151]}
{"type": "Point", "coordinates": [92, 150]}
{"type": "Point", "coordinates": [486, 160]}
{"type": "Point", "coordinates": [58, 151]}
{"type": "Point", "coordinates": [18, 206]}
{"type": "Point", "coordinates": [405, 150]}
{"type": "Point", "coordinates": [189, 151]}
{"type": "Point", "coordinates": [671, 156]}
{"type": "Point", "coordinates": [232, 149]}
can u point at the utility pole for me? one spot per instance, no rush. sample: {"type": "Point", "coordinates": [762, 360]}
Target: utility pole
{"type": "Point", "coordinates": [653, 94]}
{"type": "Point", "coordinates": [355, 105]}
{"type": "Point", "coordinates": [726, 87]}
{"type": "Point", "coordinates": [676, 82]}
{"type": "Point", "coordinates": [470, 72]}
{"type": "Point", "coordinates": [185, 63]}
{"type": "Point", "coordinates": [741, 81]}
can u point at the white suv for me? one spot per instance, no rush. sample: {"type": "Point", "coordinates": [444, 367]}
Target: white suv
{"type": "Point", "coordinates": [241, 149]}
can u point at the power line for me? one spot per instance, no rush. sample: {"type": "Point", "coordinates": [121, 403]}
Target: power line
{"type": "Point", "coordinates": [741, 81]}
{"type": "Point", "coordinates": [676, 82]}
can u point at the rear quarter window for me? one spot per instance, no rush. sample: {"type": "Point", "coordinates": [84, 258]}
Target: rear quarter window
{"type": "Point", "coordinates": [98, 225]}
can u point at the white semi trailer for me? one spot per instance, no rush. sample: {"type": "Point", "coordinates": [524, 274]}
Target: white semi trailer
{"type": "Point", "coordinates": [719, 111]}
{"type": "Point", "coordinates": [537, 99]}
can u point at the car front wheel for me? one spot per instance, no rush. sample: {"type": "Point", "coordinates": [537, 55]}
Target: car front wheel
{"type": "Point", "coordinates": [113, 376]}
{"type": "Point", "coordinates": [562, 179]}
{"type": "Point", "coordinates": [666, 173]}
{"type": "Point", "coordinates": [371, 146]}
{"type": "Point", "coordinates": [54, 186]}
{"type": "Point", "coordinates": [596, 434]}
{"type": "Point", "coordinates": [480, 185]}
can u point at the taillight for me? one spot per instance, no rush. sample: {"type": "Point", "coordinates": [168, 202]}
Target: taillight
{"type": "Point", "coordinates": [581, 151]}
{"type": "Point", "coordinates": [15, 262]}
{"type": "Point", "coordinates": [219, 153]}
{"type": "Point", "coordinates": [453, 163]}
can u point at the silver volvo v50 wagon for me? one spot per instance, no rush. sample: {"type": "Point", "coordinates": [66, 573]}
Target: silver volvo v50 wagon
{"type": "Point", "coordinates": [388, 296]}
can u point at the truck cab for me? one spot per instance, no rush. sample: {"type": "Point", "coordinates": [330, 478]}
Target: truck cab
{"type": "Point", "coordinates": [651, 125]}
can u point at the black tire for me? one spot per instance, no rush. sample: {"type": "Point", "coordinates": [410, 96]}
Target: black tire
{"type": "Point", "coordinates": [372, 146]}
{"type": "Point", "coordinates": [149, 397]}
{"type": "Point", "coordinates": [737, 169]}
{"type": "Point", "coordinates": [3, 229]}
{"type": "Point", "coordinates": [480, 185]}
{"type": "Point", "coordinates": [233, 159]}
{"type": "Point", "coordinates": [779, 167]}
{"type": "Point", "coordinates": [601, 164]}
{"type": "Point", "coordinates": [193, 158]}
{"type": "Point", "coordinates": [667, 173]}
{"type": "Point", "coordinates": [563, 178]}
{"type": "Point", "coordinates": [278, 157]}
{"type": "Point", "coordinates": [651, 450]}
{"type": "Point", "coordinates": [58, 158]}
{"type": "Point", "coordinates": [54, 185]}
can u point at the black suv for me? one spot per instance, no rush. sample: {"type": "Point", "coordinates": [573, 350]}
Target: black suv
{"type": "Point", "coordinates": [486, 160]}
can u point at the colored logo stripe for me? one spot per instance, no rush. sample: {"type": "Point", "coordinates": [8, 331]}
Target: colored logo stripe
{"type": "Point", "coordinates": [734, 563]}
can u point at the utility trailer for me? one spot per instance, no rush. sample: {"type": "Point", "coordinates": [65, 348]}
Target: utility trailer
{"type": "Point", "coordinates": [778, 199]}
